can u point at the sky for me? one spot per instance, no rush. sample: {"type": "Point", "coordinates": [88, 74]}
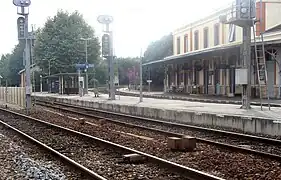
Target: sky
{"type": "Point", "coordinates": [136, 23]}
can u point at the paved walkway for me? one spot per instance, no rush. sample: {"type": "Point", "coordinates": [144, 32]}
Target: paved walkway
{"type": "Point", "coordinates": [178, 105]}
{"type": "Point", "coordinates": [198, 97]}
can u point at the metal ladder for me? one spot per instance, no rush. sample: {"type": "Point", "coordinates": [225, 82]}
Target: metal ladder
{"type": "Point", "coordinates": [260, 64]}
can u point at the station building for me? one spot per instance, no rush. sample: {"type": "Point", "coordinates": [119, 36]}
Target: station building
{"type": "Point", "coordinates": [206, 54]}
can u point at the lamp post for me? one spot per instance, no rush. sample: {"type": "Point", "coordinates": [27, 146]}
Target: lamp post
{"type": "Point", "coordinates": [1, 80]}
{"type": "Point", "coordinates": [23, 10]}
{"type": "Point", "coordinates": [141, 97]}
{"type": "Point", "coordinates": [86, 59]}
{"type": "Point", "coordinates": [107, 47]}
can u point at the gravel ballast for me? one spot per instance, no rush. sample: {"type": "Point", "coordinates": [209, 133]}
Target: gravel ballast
{"type": "Point", "coordinates": [20, 159]}
{"type": "Point", "coordinates": [208, 158]}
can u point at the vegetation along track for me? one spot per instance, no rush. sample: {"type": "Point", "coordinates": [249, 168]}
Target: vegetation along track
{"type": "Point", "coordinates": [101, 156]}
{"type": "Point", "coordinates": [207, 157]}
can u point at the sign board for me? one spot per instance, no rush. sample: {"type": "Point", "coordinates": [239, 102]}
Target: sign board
{"type": "Point", "coordinates": [116, 80]}
{"type": "Point", "coordinates": [22, 3]}
{"type": "Point", "coordinates": [81, 78]}
{"type": "Point", "coordinates": [241, 76]}
{"type": "Point", "coordinates": [84, 66]}
{"type": "Point", "coordinates": [149, 81]}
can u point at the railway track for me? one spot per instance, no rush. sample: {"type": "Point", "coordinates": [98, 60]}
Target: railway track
{"type": "Point", "coordinates": [265, 147]}
{"type": "Point", "coordinates": [224, 161]}
{"type": "Point", "coordinates": [96, 154]}
{"type": "Point", "coordinates": [88, 173]}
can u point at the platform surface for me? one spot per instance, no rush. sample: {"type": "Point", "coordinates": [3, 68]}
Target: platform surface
{"type": "Point", "coordinates": [198, 97]}
{"type": "Point", "coordinates": [179, 105]}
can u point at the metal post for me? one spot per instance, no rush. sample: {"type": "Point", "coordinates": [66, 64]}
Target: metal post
{"type": "Point", "coordinates": [117, 63]}
{"type": "Point", "coordinates": [86, 80]}
{"type": "Point", "coordinates": [6, 93]}
{"type": "Point", "coordinates": [79, 83]}
{"type": "Point", "coordinates": [141, 97]}
{"type": "Point", "coordinates": [49, 73]}
{"type": "Point", "coordinates": [41, 85]}
{"type": "Point", "coordinates": [49, 67]}
{"type": "Point", "coordinates": [246, 63]}
{"type": "Point", "coordinates": [27, 66]}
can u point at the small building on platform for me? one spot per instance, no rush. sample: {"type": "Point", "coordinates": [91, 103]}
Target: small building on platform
{"type": "Point", "coordinates": [64, 83]}
{"type": "Point", "coordinates": [206, 54]}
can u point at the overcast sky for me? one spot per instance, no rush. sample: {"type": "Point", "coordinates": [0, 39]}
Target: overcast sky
{"type": "Point", "coordinates": [136, 23]}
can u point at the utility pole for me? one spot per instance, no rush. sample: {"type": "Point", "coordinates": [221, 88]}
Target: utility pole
{"type": "Point", "coordinates": [27, 66]}
{"type": "Point", "coordinates": [86, 62]}
{"type": "Point", "coordinates": [23, 10]}
{"type": "Point", "coordinates": [107, 47]}
{"type": "Point", "coordinates": [246, 64]}
{"type": "Point", "coordinates": [245, 12]}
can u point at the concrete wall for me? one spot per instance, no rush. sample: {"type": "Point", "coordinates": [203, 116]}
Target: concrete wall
{"type": "Point", "coordinates": [251, 125]}
{"type": "Point", "coordinates": [13, 95]}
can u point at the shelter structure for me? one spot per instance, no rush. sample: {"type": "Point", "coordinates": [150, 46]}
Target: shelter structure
{"type": "Point", "coordinates": [64, 83]}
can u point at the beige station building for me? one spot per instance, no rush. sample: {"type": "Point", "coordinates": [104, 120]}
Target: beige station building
{"type": "Point", "coordinates": [206, 54]}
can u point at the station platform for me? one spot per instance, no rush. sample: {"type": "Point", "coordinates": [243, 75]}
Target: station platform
{"type": "Point", "coordinates": [222, 115]}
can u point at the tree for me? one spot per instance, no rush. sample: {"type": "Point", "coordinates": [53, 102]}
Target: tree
{"type": "Point", "coordinates": [11, 64]}
{"type": "Point", "coordinates": [4, 66]}
{"type": "Point", "coordinates": [128, 69]}
{"type": "Point", "coordinates": [157, 51]}
{"type": "Point", "coordinates": [59, 43]}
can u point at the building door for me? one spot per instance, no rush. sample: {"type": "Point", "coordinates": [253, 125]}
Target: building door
{"type": "Point", "coordinates": [270, 67]}
{"type": "Point", "coordinates": [232, 63]}
{"type": "Point", "coordinates": [216, 79]}
{"type": "Point", "coordinates": [270, 77]}
{"type": "Point", "coordinates": [232, 80]}
{"type": "Point", "coordinates": [206, 80]}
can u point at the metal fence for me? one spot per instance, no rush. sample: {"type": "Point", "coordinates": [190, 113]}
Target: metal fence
{"type": "Point", "coordinates": [13, 95]}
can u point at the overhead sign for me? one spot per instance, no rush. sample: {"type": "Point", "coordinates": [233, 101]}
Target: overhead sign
{"type": "Point", "coordinates": [105, 45]}
{"type": "Point", "coordinates": [22, 3]}
{"type": "Point", "coordinates": [149, 81]}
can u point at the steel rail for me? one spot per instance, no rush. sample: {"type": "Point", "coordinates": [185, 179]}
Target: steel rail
{"type": "Point", "coordinates": [85, 170]}
{"type": "Point", "coordinates": [190, 173]}
{"type": "Point", "coordinates": [224, 145]}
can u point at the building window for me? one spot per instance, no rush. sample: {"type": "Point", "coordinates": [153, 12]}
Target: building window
{"type": "Point", "coordinates": [216, 34]}
{"type": "Point", "coordinates": [206, 37]}
{"type": "Point", "coordinates": [196, 40]}
{"type": "Point", "coordinates": [232, 33]}
{"type": "Point", "coordinates": [186, 43]}
{"type": "Point", "coordinates": [178, 45]}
